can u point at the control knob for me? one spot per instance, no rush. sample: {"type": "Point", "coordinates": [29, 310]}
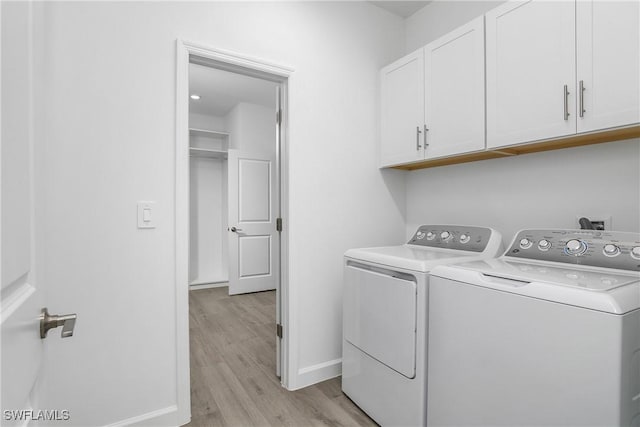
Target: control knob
{"type": "Point", "coordinates": [525, 243]}
{"type": "Point", "coordinates": [420, 235]}
{"type": "Point", "coordinates": [611, 250]}
{"type": "Point", "coordinates": [575, 247]}
{"type": "Point", "coordinates": [544, 245]}
{"type": "Point", "coordinates": [464, 238]}
{"type": "Point", "coordinates": [431, 235]}
{"type": "Point", "coordinates": [635, 252]}
{"type": "Point", "coordinates": [445, 235]}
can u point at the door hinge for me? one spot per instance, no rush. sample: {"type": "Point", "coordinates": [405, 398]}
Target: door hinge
{"type": "Point", "coordinates": [278, 224]}
{"type": "Point", "coordinates": [279, 330]}
{"type": "Point", "coordinates": [279, 117]}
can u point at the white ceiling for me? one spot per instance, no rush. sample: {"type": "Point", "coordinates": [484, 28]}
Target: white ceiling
{"type": "Point", "coordinates": [400, 7]}
{"type": "Point", "coordinates": [220, 91]}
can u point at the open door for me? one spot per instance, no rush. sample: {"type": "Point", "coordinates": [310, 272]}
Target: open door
{"type": "Point", "coordinates": [253, 239]}
{"type": "Point", "coordinates": [22, 297]}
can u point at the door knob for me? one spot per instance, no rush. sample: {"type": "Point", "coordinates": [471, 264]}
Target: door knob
{"type": "Point", "coordinates": [235, 230]}
{"type": "Point", "coordinates": [47, 321]}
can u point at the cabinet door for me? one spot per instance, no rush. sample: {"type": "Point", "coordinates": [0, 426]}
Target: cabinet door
{"type": "Point", "coordinates": [530, 58]}
{"type": "Point", "coordinates": [608, 51]}
{"type": "Point", "coordinates": [454, 91]}
{"type": "Point", "coordinates": [402, 110]}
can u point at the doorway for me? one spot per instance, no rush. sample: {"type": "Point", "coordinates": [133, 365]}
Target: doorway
{"type": "Point", "coordinates": [230, 190]}
{"type": "Point", "coordinates": [233, 194]}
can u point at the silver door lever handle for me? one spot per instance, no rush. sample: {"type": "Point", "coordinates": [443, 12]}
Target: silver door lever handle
{"type": "Point", "coordinates": [235, 230]}
{"type": "Point", "coordinates": [47, 321]}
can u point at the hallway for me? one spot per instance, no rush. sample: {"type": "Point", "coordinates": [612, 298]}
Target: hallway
{"type": "Point", "coordinates": [233, 380]}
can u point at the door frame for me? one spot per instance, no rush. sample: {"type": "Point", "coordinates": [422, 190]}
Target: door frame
{"type": "Point", "coordinates": [234, 62]}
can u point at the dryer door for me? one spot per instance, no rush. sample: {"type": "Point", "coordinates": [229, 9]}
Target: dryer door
{"type": "Point", "coordinates": [380, 315]}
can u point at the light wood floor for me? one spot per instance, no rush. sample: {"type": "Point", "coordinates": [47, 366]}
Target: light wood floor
{"type": "Point", "coordinates": [233, 381]}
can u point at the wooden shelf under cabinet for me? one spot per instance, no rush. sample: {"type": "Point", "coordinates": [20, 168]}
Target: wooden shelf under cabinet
{"type": "Point", "coordinates": [599, 137]}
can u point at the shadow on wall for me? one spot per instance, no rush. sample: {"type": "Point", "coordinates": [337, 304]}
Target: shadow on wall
{"type": "Point", "coordinates": [546, 190]}
{"type": "Point", "coordinates": [396, 181]}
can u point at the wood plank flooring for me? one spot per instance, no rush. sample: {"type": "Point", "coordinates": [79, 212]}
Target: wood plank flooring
{"type": "Point", "coordinates": [233, 381]}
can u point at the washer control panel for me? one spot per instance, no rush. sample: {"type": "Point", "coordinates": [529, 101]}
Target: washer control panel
{"type": "Point", "coordinates": [609, 249]}
{"type": "Point", "coordinates": [458, 237]}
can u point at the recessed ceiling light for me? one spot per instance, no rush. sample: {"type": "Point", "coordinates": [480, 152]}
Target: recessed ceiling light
{"type": "Point", "coordinates": [194, 96]}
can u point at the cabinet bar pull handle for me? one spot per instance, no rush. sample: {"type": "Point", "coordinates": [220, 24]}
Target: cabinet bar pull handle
{"type": "Point", "coordinates": [581, 98]}
{"type": "Point", "coordinates": [418, 132]}
{"type": "Point", "coordinates": [426, 129]}
{"type": "Point", "coordinates": [566, 102]}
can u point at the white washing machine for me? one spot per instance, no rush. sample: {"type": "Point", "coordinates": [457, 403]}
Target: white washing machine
{"type": "Point", "coordinates": [385, 320]}
{"type": "Point", "coordinates": [546, 335]}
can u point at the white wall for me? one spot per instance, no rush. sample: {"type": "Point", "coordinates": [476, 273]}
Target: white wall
{"type": "Point", "coordinates": [208, 251]}
{"type": "Point", "coordinates": [535, 190]}
{"type": "Point", "coordinates": [110, 139]}
{"type": "Point", "coordinates": [207, 122]}
{"type": "Point", "coordinates": [252, 127]}
{"type": "Point", "coordinates": [546, 190]}
{"type": "Point", "coordinates": [440, 17]}
{"type": "Point", "coordinates": [208, 248]}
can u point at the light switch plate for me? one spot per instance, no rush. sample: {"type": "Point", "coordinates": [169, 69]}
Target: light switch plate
{"type": "Point", "coordinates": [146, 215]}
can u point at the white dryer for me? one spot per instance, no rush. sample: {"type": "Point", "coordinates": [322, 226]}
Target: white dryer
{"type": "Point", "coordinates": [546, 335]}
{"type": "Point", "coordinates": [385, 320]}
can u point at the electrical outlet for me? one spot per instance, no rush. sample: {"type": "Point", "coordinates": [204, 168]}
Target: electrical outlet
{"type": "Point", "coordinates": [600, 222]}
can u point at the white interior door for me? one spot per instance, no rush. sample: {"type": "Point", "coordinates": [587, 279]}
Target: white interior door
{"type": "Point", "coordinates": [253, 238]}
{"type": "Point", "coordinates": [22, 296]}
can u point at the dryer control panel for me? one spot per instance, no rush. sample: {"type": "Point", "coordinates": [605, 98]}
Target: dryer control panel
{"type": "Point", "coordinates": [459, 237]}
{"type": "Point", "coordinates": [609, 249]}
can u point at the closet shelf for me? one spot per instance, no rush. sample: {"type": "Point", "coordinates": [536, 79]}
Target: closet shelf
{"type": "Point", "coordinates": [208, 153]}
{"type": "Point", "coordinates": [208, 133]}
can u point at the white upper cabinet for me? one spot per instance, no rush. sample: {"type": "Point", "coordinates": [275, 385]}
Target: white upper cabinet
{"type": "Point", "coordinates": [454, 91]}
{"type": "Point", "coordinates": [608, 53]}
{"type": "Point", "coordinates": [528, 73]}
{"type": "Point", "coordinates": [402, 110]}
{"type": "Point", "coordinates": [530, 54]}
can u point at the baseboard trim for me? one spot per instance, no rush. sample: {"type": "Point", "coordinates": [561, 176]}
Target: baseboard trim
{"type": "Point", "coordinates": [161, 417]}
{"type": "Point", "coordinates": [317, 373]}
{"type": "Point", "coordinates": [207, 285]}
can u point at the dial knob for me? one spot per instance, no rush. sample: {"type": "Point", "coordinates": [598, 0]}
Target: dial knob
{"type": "Point", "coordinates": [464, 238]}
{"type": "Point", "coordinates": [445, 235]}
{"type": "Point", "coordinates": [525, 243]}
{"type": "Point", "coordinates": [431, 235]}
{"type": "Point", "coordinates": [575, 247]}
{"type": "Point", "coordinates": [611, 250]}
{"type": "Point", "coordinates": [635, 252]}
{"type": "Point", "coordinates": [544, 245]}
{"type": "Point", "coordinates": [420, 235]}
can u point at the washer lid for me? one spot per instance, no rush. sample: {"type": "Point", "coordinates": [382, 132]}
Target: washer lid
{"type": "Point", "coordinates": [603, 289]}
{"type": "Point", "coordinates": [411, 257]}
